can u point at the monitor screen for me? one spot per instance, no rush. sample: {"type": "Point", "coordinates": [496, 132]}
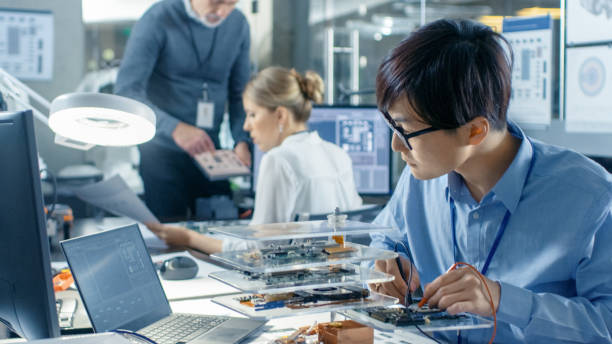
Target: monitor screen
{"type": "Point", "coordinates": [27, 302]}
{"type": "Point", "coordinates": [363, 134]}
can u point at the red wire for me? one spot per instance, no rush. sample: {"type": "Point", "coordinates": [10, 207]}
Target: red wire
{"type": "Point", "coordinates": [488, 292]}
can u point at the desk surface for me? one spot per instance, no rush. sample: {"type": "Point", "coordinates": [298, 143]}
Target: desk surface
{"type": "Point", "coordinates": [194, 295]}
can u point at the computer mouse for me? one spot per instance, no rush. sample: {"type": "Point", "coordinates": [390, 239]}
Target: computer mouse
{"type": "Point", "coordinates": [178, 268]}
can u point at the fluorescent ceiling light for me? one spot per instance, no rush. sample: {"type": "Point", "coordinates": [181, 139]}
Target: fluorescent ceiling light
{"type": "Point", "coordinates": [102, 119]}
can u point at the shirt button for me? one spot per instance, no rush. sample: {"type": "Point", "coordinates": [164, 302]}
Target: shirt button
{"type": "Point", "coordinates": [475, 216]}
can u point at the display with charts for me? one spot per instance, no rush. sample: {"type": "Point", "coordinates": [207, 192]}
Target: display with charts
{"type": "Point", "coordinates": [222, 164]}
{"type": "Point", "coordinates": [531, 42]}
{"type": "Point", "coordinates": [588, 89]}
{"type": "Point", "coordinates": [26, 43]}
{"type": "Point", "coordinates": [298, 276]}
{"type": "Point", "coordinates": [588, 21]}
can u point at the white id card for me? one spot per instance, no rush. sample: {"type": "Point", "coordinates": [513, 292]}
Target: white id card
{"type": "Point", "coordinates": [206, 115]}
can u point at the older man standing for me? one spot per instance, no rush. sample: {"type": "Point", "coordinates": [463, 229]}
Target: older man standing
{"type": "Point", "coordinates": [186, 59]}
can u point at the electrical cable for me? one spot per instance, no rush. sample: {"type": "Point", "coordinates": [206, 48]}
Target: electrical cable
{"type": "Point", "coordinates": [484, 282]}
{"type": "Point", "coordinates": [408, 295]}
{"type": "Point", "coordinates": [426, 334]}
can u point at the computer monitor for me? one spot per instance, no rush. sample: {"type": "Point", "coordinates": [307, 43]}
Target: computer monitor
{"type": "Point", "coordinates": [362, 132]}
{"type": "Point", "coordinates": [27, 302]}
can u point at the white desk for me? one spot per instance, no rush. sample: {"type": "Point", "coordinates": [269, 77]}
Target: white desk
{"type": "Point", "coordinates": [284, 326]}
{"type": "Point", "coordinates": [194, 296]}
{"type": "Point", "coordinates": [198, 287]}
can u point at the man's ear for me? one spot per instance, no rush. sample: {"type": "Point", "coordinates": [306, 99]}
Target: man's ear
{"type": "Point", "coordinates": [478, 128]}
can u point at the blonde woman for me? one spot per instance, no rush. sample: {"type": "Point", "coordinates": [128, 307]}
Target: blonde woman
{"type": "Point", "coordinates": [300, 172]}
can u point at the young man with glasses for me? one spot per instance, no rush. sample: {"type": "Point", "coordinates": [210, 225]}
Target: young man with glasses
{"type": "Point", "coordinates": [534, 219]}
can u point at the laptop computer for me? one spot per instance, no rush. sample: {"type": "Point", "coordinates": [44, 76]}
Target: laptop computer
{"type": "Point", "coordinates": [120, 289]}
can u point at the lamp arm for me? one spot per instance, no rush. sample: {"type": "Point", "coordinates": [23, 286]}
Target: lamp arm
{"type": "Point", "coordinates": [11, 83]}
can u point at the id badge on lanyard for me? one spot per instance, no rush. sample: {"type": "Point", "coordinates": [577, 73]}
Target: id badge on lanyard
{"type": "Point", "coordinates": [206, 110]}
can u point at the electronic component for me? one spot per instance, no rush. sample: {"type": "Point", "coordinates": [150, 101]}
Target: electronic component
{"type": "Point", "coordinates": [305, 298]}
{"type": "Point", "coordinates": [413, 315]}
{"type": "Point", "coordinates": [330, 274]}
{"type": "Point", "coordinates": [283, 253]}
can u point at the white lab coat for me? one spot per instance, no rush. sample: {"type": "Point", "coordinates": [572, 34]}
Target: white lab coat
{"type": "Point", "coordinates": [304, 174]}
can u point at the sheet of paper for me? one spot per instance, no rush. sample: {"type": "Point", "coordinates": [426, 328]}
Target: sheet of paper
{"type": "Point", "coordinates": [116, 197]}
{"type": "Point", "coordinates": [588, 88]}
{"type": "Point", "coordinates": [26, 48]}
{"type": "Point", "coordinates": [531, 99]}
{"type": "Point", "coordinates": [589, 21]}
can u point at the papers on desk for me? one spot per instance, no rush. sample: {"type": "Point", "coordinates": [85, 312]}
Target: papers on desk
{"type": "Point", "coordinates": [116, 197]}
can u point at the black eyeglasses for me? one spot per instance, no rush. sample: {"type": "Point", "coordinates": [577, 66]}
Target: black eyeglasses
{"type": "Point", "coordinates": [399, 131]}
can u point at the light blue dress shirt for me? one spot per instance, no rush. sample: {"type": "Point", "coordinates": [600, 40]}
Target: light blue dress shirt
{"type": "Point", "coordinates": [554, 261]}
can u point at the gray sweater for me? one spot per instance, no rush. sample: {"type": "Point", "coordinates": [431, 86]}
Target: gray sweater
{"type": "Point", "coordinates": [169, 56]}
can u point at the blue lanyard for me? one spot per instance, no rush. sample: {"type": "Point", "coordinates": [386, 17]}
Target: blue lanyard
{"type": "Point", "coordinates": [500, 234]}
{"type": "Point", "coordinates": [500, 231]}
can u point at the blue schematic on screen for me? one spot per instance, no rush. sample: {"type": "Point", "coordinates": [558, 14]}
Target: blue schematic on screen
{"type": "Point", "coordinates": [363, 134]}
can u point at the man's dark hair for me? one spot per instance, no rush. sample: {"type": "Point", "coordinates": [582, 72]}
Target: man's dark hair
{"type": "Point", "coordinates": [451, 71]}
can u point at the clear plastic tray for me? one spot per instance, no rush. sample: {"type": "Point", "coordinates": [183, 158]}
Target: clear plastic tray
{"type": "Point", "coordinates": [297, 230]}
{"type": "Point", "coordinates": [230, 302]}
{"type": "Point", "coordinates": [300, 279]}
{"type": "Point", "coordinates": [247, 260]}
{"type": "Point", "coordinates": [466, 322]}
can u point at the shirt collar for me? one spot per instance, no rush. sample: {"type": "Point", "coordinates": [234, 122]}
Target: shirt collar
{"type": "Point", "coordinates": [303, 135]}
{"type": "Point", "coordinates": [191, 13]}
{"type": "Point", "coordinates": [506, 189]}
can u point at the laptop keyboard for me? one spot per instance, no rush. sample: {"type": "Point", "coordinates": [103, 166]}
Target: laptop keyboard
{"type": "Point", "coordinates": [181, 328]}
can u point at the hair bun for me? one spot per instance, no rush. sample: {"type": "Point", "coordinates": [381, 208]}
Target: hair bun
{"type": "Point", "coordinates": [310, 84]}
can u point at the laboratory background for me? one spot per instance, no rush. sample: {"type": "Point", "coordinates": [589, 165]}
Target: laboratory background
{"type": "Point", "coordinates": [561, 90]}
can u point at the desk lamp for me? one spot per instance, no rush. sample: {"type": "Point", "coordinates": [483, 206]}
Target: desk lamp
{"type": "Point", "coordinates": [82, 120]}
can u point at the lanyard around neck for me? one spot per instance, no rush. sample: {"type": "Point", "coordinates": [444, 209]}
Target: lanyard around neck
{"type": "Point", "coordinates": [197, 51]}
{"type": "Point", "coordinates": [500, 231]}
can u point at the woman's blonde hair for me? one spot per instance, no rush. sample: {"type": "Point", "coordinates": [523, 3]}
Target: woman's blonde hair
{"type": "Point", "coordinates": [278, 86]}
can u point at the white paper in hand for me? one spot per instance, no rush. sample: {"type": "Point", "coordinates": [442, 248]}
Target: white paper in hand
{"type": "Point", "coordinates": [116, 197]}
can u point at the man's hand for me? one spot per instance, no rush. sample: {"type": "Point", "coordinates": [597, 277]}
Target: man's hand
{"type": "Point", "coordinates": [192, 140]}
{"type": "Point", "coordinates": [172, 235]}
{"type": "Point", "coordinates": [461, 290]}
{"type": "Point", "coordinates": [398, 287]}
{"type": "Point", "coordinates": [242, 150]}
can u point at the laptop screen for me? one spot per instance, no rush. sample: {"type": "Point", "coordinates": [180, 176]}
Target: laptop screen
{"type": "Point", "coordinates": [116, 279]}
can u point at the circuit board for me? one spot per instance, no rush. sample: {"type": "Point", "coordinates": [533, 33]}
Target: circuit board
{"type": "Point", "coordinates": [305, 298]}
{"type": "Point", "coordinates": [413, 315]}
{"type": "Point", "coordinates": [330, 274]}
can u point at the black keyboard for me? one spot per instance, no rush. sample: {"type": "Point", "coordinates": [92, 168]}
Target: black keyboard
{"type": "Point", "coordinates": [181, 328]}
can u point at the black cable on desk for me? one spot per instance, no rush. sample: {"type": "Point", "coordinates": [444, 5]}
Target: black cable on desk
{"type": "Point", "coordinates": [408, 296]}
